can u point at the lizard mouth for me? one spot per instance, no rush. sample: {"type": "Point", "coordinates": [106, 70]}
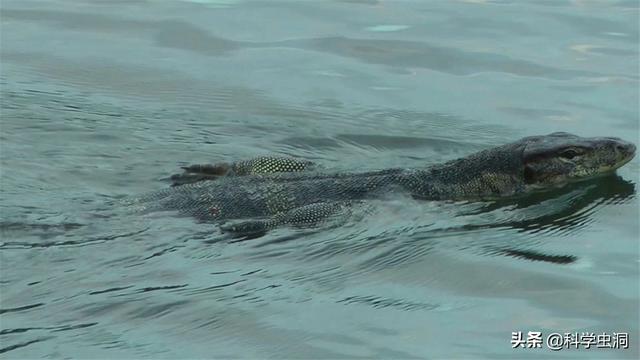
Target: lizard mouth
{"type": "Point", "coordinates": [626, 151]}
{"type": "Point", "coordinates": [557, 164]}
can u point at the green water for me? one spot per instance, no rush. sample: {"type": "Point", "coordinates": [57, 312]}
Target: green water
{"type": "Point", "coordinates": [106, 99]}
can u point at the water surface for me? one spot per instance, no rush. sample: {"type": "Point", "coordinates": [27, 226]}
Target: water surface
{"type": "Point", "coordinates": [105, 99]}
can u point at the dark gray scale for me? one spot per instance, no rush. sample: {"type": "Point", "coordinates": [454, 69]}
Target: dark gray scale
{"type": "Point", "coordinates": [226, 199]}
{"type": "Point", "coordinates": [259, 165]}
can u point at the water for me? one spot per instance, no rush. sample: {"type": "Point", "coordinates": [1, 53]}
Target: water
{"type": "Point", "coordinates": [103, 100]}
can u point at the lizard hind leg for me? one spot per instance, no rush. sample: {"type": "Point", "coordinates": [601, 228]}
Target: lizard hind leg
{"type": "Point", "coordinates": [308, 216]}
{"type": "Point", "coordinates": [200, 172]}
{"type": "Point", "coordinates": [323, 213]}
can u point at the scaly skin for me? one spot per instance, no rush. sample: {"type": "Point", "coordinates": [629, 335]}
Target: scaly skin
{"type": "Point", "coordinates": [282, 191]}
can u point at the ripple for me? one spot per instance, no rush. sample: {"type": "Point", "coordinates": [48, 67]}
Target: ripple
{"type": "Point", "coordinates": [387, 28]}
{"type": "Point", "coordinates": [7, 245]}
{"type": "Point", "coordinates": [21, 308]}
{"type": "Point", "coordinates": [379, 302]}
{"type": "Point", "coordinates": [538, 256]}
{"type": "Point", "coordinates": [23, 344]}
{"type": "Point", "coordinates": [413, 54]}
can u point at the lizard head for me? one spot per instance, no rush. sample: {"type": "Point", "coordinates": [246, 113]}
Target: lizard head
{"type": "Point", "coordinates": [561, 157]}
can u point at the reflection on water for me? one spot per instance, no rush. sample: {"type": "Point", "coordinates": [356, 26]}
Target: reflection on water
{"type": "Point", "coordinates": [105, 100]}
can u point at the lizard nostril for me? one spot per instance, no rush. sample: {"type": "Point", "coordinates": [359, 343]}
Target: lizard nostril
{"type": "Point", "coordinates": [622, 149]}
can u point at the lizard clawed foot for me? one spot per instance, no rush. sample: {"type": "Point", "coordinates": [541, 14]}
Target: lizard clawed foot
{"type": "Point", "coordinates": [200, 172]}
{"type": "Point", "coordinates": [246, 230]}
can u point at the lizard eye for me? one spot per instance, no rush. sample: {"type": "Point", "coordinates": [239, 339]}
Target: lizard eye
{"type": "Point", "coordinates": [569, 154]}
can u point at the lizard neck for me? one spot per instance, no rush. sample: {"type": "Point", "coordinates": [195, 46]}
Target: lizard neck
{"type": "Point", "coordinates": [490, 173]}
